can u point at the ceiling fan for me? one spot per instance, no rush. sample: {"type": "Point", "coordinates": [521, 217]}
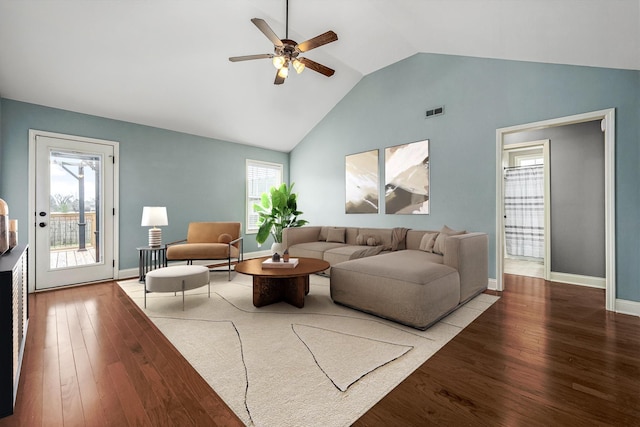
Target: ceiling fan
{"type": "Point", "coordinates": [286, 51]}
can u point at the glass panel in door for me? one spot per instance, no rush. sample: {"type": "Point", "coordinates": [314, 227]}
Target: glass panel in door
{"type": "Point", "coordinates": [74, 218]}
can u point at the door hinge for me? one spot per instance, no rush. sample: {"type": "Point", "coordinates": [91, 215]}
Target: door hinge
{"type": "Point", "coordinates": [113, 263]}
{"type": "Point", "coordinates": [114, 211]}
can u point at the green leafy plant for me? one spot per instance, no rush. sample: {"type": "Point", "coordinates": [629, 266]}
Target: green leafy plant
{"type": "Point", "coordinates": [278, 209]}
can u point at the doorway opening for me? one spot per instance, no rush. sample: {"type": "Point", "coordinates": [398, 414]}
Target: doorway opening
{"type": "Point", "coordinates": [606, 121]}
{"type": "Point", "coordinates": [526, 219]}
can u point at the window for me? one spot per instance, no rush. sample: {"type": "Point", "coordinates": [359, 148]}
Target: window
{"type": "Point", "coordinates": [261, 176]}
{"type": "Point", "coordinates": [529, 161]}
{"type": "Point", "coordinates": [527, 157]}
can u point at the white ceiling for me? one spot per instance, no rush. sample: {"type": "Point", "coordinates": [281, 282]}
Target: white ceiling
{"type": "Point", "coordinates": [165, 63]}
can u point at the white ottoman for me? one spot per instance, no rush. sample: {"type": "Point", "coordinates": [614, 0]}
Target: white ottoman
{"type": "Point", "coordinates": [177, 278]}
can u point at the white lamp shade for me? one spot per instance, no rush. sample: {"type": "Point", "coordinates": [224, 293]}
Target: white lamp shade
{"type": "Point", "coordinates": [299, 66]}
{"type": "Point", "coordinates": [154, 216]}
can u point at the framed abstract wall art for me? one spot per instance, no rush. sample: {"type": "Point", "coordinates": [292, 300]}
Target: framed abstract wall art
{"type": "Point", "coordinates": [406, 173]}
{"type": "Point", "coordinates": [362, 188]}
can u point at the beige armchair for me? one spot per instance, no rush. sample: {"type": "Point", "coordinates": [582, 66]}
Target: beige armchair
{"type": "Point", "coordinates": [209, 241]}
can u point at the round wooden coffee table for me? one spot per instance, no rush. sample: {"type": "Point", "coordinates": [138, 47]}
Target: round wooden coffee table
{"type": "Point", "coordinates": [271, 285]}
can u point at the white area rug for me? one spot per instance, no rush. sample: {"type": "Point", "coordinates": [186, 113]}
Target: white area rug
{"type": "Point", "coordinates": [322, 365]}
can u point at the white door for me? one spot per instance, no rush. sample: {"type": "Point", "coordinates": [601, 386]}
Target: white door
{"type": "Point", "coordinates": [74, 210]}
{"type": "Point", "coordinates": [526, 209]}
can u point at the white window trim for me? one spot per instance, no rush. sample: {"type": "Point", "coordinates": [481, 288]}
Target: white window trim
{"type": "Point", "coordinates": [537, 158]}
{"type": "Point", "coordinates": [249, 204]}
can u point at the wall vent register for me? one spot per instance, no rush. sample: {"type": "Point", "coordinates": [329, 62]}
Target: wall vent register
{"type": "Point", "coordinates": [437, 111]}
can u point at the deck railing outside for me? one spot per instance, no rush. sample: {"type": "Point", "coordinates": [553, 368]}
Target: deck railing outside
{"type": "Point", "coordinates": [65, 229]}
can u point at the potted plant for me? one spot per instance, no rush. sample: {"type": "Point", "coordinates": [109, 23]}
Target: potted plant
{"type": "Point", "coordinates": [278, 209]}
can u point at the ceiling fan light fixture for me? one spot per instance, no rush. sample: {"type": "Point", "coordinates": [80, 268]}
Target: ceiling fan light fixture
{"type": "Point", "coordinates": [286, 51]}
{"type": "Point", "coordinates": [298, 66]}
{"type": "Point", "coordinates": [278, 62]}
{"type": "Point", "coordinates": [283, 72]}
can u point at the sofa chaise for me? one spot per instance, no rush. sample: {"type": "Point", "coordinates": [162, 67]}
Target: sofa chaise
{"type": "Point", "coordinates": [409, 276]}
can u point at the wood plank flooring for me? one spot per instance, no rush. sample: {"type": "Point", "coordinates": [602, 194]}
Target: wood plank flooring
{"type": "Point", "coordinates": [92, 358]}
{"type": "Point", "coordinates": [544, 354]}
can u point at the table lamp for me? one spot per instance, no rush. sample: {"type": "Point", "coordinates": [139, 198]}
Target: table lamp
{"type": "Point", "coordinates": [154, 216]}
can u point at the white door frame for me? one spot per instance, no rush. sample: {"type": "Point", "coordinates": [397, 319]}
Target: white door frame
{"type": "Point", "coordinates": [608, 119]}
{"type": "Point", "coordinates": [544, 144]}
{"type": "Point", "coordinates": [32, 196]}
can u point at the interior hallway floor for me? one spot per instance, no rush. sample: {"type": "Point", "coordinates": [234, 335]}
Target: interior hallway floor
{"type": "Point", "coordinates": [524, 268]}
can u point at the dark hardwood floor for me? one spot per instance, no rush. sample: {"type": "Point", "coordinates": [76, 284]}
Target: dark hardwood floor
{"type": "Point", "coordinates": [92, 358]}
{"type": "Point", "coordinates": [544, 354]}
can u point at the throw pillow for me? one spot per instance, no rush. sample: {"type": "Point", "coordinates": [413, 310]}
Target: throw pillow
{"type": "Point", "coordinates": [224, 238]}
{"type": "Point", "coordinates": [373, 240]}
{"type": "Point", "coordinates": [361, 240]}
{"type": "Point", "coordinates": [322, 237]}
{"type": "Point", "coordinates": [439, 246]}
{"type": "Point", "coordinates": [335, 235]}
{"type": "Point", "coordinates": [427, 242]}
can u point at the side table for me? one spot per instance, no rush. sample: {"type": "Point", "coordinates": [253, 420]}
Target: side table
{"type": "Point", "coordinates": [151, 259]}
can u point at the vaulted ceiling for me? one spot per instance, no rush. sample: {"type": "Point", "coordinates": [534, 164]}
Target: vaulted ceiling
{"type": "Point", "coordinates": [165, 63]}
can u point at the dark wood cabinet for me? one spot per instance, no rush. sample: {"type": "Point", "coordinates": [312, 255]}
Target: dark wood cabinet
{"type": "Point", "coordinates": [14, 315]}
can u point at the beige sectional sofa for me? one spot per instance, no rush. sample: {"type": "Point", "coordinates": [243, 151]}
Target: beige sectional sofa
{"type": "Point", "coordinates": [412, 277]}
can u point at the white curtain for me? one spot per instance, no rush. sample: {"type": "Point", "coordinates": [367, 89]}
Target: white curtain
{"type": "Point", "coordinates": [524, 211]}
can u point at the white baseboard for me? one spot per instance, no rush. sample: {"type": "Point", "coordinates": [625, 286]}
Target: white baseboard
{"type": "Point", "coordinates": [129, 273]}
{"type": "Point", "coordinates": [622, 306]}
{"type": "Point", "coordinates": [492, 285]}
{"type": "Point", "coordinates": [576, 279]}
{"type": "Point", "coordinates": [628, 307]}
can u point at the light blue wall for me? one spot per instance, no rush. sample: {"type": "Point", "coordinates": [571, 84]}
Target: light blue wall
{"type": "Point", "coordinates": [480, 95]}
{"type": "Point", "coordinates": [0, 147]}
{"type": "Point", "coordinates": [198, 179]}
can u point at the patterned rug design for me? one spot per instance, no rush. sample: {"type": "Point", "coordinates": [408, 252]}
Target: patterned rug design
{"type": "Point", "coordinates": [323, 365]}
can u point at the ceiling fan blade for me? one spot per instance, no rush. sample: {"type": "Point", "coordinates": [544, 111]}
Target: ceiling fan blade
{"type": "Point", "coordinates": [267, 31]}
{"type": "Point", "coordinates": [250, 57]}
{"type": "Point", "coordinates": [317, 67]}
{"type": "Point", "coordinates": [317, 41]}
{"type": "Point", "coordinates": [279, 79]}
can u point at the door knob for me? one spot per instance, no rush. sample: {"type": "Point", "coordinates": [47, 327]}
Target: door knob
{"type": "Point", "coordinates": [42, 214]}
{"type": "Point", "coordinates": [42, 224]}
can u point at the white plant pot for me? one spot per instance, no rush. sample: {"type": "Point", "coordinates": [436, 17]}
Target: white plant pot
{"type": "Point", "coordinates": [277, 248]}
